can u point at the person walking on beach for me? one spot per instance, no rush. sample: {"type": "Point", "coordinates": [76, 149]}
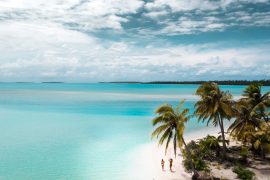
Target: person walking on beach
{"type": "Point", "coordinates": [162, 164]}
{"type": "Point", "coordinates": [171, 161]}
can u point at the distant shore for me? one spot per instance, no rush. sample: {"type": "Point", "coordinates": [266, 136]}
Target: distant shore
{"type": "Point", "coordinates": [225, 82]}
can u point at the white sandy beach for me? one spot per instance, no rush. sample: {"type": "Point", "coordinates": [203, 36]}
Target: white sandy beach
{"type": "Point", "coordinates": [147, 159]}
{"type": "Point", "coordinates": [147, 162]}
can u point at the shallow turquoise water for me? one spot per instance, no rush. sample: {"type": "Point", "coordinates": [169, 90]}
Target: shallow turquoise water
{"type": "Point", "coordinates": [80, 131]}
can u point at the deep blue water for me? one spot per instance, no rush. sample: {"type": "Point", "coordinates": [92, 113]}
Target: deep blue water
{"type": "Point", "coordinates": [80, 131]}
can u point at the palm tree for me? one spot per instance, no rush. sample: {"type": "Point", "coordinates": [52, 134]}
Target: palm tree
{"type": "Point", "coordinates": [260, 102]}
{"type": "Point", "coordinates": [260, 139]}
{"type": "Point", "coordinates": [214, 105]}
{"type": "Point", "coordinates": [171, 126]}
{"type": "Point", "coordinates": [210, 143]}
{"type": "Point", "coordinates": [245, 121]}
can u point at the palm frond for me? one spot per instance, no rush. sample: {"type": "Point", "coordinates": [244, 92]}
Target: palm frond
{"type": "Point", "coordinates": [179, 106]}
{"type": "Point", "coordinates": [171, 125]}
{"type": "Point", "coordinates": [168, 141]}
{"type": "Point", "coordinates": [175, 143]}
{"type": "Point", "coordinates": [159, 130]}
{"type": "Point", "coordinates": [227, 109]}
{"type": "Point", "coordinates": [164, 108]}
{"type": "Point", "coordinates": [164, 136]}
{"type": "Point", "coordinates": [158, 119]}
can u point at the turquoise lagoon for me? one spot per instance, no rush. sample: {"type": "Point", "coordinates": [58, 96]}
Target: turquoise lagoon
{"type": "Point", "coordinates": [81, 131]}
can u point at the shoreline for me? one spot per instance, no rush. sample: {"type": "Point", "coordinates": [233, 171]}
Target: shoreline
{"type": "Point", "coordinates": [146, 163]}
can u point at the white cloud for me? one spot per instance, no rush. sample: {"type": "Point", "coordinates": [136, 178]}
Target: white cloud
{"type": "Point", "coordinates": [188, 5]}
{"type": "Point", "coordinates": [34, 52]}
{"type": "Point", "coordinates": [189, 26]}
{"type": "Point", "coordinates": [105, 7]}
{"type": "Point", "coordinates": [156, 14]}
{"type": "Point", "coordinates": [96, 15]}
{"type": "Point", "coordinates": [197, 16]}
{"type": "Point", "coordinates": [54, 40]}
{"type": "Point", "coordinates": [88, 15]}
{"type": "Point", "coordinates": [183, 5]}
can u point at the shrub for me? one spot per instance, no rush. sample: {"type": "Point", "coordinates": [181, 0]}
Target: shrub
{"type": "Point", "coordinates": [209, 147]}
{"type": "Point", "coordinates": [244, 154]}
{"type": "Point", "coordinates": [244, 151]}
{"type": "Point", "coordinates": [198, 162]}
{"type": "Point", "coordinates": [243, 174]}
{"type": "Point", "coordinates": [267, 148]}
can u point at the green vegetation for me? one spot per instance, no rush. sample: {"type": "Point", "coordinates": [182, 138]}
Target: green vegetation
{"type": "Point", "coordinates": [214, 106]}
{"type": "Point", "coordinates": [199, 152]}
{"type": "Point", "coordinates": [243, 173]}
{"type": "Point", "coordinates": [199, 164]}
{"type": "Point", "coordinates": [251, 119]}
{"type": "Point", "coordinates": [250, 126]}
{"type": "Point", "coordinates": [244, 154]}
{"type": "Point", "coordinates": [171, 126]}
{"type": "Point", "coordinates": [260, 139]}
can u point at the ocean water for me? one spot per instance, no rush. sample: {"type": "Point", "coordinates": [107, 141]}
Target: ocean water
{"type": "Point", "coordinates": [81, 131]}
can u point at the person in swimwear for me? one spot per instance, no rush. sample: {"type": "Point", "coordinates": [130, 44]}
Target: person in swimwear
{"type": "Point", "coordinates": [171, 162]}
{"type": "Point", "coordinates": [162, 164]}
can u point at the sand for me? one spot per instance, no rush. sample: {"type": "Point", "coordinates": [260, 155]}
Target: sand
{"type": "Point", "coordinates": [146, 164]}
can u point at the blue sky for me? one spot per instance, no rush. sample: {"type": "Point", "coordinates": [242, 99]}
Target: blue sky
{"type": "Point", "coordinates": [134, 40]}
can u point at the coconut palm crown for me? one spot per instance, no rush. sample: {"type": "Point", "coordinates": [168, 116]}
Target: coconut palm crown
{"type": "Point", "coordinates": [214, 106]}
{"type": "Point", "coordinates": [259, 102]}
{"type": "Point", "coordinates": [245, 121]}
{"type": "Point", "coordinates": [170, 124]}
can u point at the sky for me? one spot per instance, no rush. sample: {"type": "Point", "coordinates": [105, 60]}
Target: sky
{"type": "Point", "coordinates": [134, 40]}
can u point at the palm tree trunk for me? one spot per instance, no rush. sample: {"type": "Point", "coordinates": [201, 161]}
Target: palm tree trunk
{"type": "Point", "coordinates": [223, 136]}
{"type": "Point", "coordinates": [262, 153]}
{"type": "Point", "coordinates": [195, 173]}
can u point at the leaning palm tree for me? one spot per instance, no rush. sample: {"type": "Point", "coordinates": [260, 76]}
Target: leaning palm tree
{"type": "Point", "coordinates": [170, 124]}
{"type": "Point", "coordinates": [214, 106]}
{"type": "Point", "coordinates": [259, 102]}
